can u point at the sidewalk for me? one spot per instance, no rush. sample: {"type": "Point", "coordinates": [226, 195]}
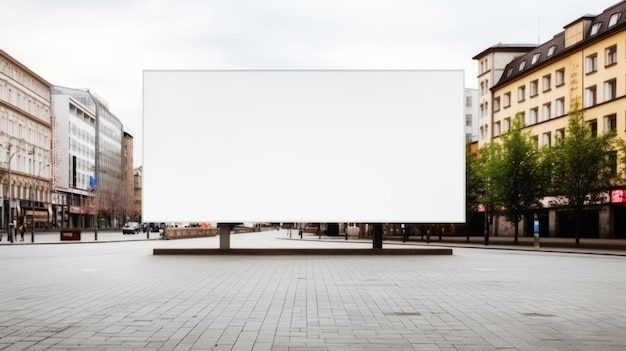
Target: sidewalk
{"type": "Point", "coordinates": [596, 246]}
{"type": "Point", "coordinates": [86, 236]}
{"type": "Point", "coordinates": [547, 244]}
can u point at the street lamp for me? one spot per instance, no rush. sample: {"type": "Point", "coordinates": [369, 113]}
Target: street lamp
{"type": "Point", "coordinates": [10, 225]}
{"type": "Point", "coordinates": [32, 208]}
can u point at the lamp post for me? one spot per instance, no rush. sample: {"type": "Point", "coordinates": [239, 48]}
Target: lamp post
{"type": "Point", "coordinates": [10, 225]}
{"type": "Point", "coordinates": [32, 209]}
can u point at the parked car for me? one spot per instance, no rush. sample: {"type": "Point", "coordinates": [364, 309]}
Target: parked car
{"type": "Point", "coordinates": [131, 228]}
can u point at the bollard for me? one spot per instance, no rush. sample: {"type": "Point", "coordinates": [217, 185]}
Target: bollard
{"type": "Point", "coordinates": [536, 231]}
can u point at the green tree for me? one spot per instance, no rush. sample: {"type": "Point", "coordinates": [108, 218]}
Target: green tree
{"type": "Point", "coordinates": [489, 167]}
{"type": "Point", "coordinates": [520, 182]}
{"type": "Point", "coordinates": [473, 188]}
{"type": "Point", "coordinates": [582, 166]}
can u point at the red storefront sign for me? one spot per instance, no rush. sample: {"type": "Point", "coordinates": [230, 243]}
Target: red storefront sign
{"type": "Point", "coordinates": [618, 196]}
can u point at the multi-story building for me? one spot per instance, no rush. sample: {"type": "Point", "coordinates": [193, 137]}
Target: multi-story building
{"type": "Point", "coordinates": [26, 162]}
{"type": "Point", "coordinates": [128, 193]}
{"type": "Point", "coordinates": [137, 191]}
{"type": "Point", "coordinates": [471, 117]}
{"type": "Point", "coordinates": [89, 150]}
{"type": "Point", "coordinates": [75, 131]}
{"type": "Point", "coordinates": [585, 65]}
{"type": "Point", "coordinates": [491, 64]}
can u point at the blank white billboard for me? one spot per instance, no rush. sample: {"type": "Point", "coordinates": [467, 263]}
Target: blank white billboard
{"type": "Point", "coordinates": [304, 146]}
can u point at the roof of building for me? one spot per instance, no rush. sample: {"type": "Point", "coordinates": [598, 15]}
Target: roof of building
{"type": "Point", "coordinates": [23, 67]}
{"type": "Point", "coordinates": [600, 26]}
{"type": "Point", "coordinates": [505, 48]}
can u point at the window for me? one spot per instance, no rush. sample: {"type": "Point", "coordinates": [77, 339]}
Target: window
{"type": "Point", "coordinates": [559, 77]}
{"type": "Point", "coordinates": [595, 28]}
{"type": "Point", "coordinates": [591, 63]}
{"type": "Point", "coordinates": [614, 18]}
{"type": "Point", "coordinates": [496, 129]}
{"type": "Point", "coordinates": [506, 124]}
{"type": "Point", "coordinates": [546, 139]}
{"type": "Point", "coordinates": [551, 50]}
{"type": "Point", "coordinates": [610, 122]}
{"type": "Point", "coordinates": [468, 120]}
{"type": "Point", "coordinates": [546, 82]}
{"type": "Point", "coordinates": [522, 65]}
{"type": "Point", "coordinates": [509, 72]}
{"type": "Point", "coordinates": [545, 112]}
{"type": "Point", "coordinates": [521, 93]}
{"type": "Point", "coordinates": [534, 115]}
{"type": "Point", "coordinates": [496, 104]}
{"type": "Point", "coordinates": [610, 91]}
{"type": "Point", "coordinates": [468, 138]}
{"type": "Point", "coordinates": [535, 140]}
{"type": "Point", "coordinates": [610, 55]}
{"type": "Point", "coordinates": [468, 101]}
{"type": "Point", "coordinates": [593, 124]}
{"type": "Point", "coordinates": [506, 100]}
{"type": "Point", "coordinates": [534, 88]}
{"type": "Point", "coordinates": [560, 107]}
{"type": "Point", "coordinates": [560, 133]}
{"type": "Point", "coordinates": [535, 58]}
{"type": "Point", "coordinates": [590, 96]}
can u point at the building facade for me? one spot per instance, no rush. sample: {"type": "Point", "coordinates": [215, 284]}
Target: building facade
{"type": "Point", "coordinates": [471, 116]}
{"type": "Point", "coordinates": [75, 135]}
{"type": "Point", "coordinates": [584, 66]}
{"type": "Point", "coordinates": [89, 149]}
{"type": "Point", "coordinates": [137, 191]}
{"type": "Point", "coordinates": [26, 160]}
{"type": "Point", "coordinates": [128, 194]}
{"type": "Point", "coordinates": [491, 65]}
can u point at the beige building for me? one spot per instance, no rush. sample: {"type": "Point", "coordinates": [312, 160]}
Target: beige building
{"type": "Point", "coordinates": [586, 65]}
{"type": "Point", "coordinates": [26, 137]}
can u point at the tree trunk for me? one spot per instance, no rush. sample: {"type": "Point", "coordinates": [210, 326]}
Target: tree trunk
{"type": "Point", "coordinates": [486, 226]}
{"type": "Point", "coordinates": [577, 227]}
{"type": "Point", "coordinates": [516, 225]}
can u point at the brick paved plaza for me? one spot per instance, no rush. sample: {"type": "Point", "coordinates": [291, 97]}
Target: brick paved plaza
{"type": "Point", "coordinates": [118, 296]}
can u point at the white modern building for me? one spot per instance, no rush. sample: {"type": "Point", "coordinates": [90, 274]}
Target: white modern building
{"type": "Point", "coordinates": [75, 126]}
{"type": "Point", "coordinates": [26, 160]}
{"type": "Point", "coordinates": [491, 64]}
{"type": "Point", "coordinates": [470, 108]}
{"type": "Point", "coordinates": [90, 167]}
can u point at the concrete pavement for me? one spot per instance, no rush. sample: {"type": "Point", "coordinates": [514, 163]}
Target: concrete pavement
{"type": "Point", "coordinates": [88, 235]}
{"type": "Point", "coordinates": [119, 296]}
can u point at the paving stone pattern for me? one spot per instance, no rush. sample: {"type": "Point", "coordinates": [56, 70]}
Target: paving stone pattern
{"type": "Point", "coordinates": [118, 296]}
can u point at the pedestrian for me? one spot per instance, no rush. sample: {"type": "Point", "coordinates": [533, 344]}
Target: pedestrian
{"type": "Point", "coordinates": [21, 230]}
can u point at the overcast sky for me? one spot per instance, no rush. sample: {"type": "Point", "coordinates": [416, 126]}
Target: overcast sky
{"type": "Point", "coordinates": [106, 45]}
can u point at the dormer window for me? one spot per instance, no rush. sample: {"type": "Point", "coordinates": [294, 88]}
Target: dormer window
{"type": "Point", "coordinates": [595, 28]}
{"type": "Point", "coordinates": [522, 65]}
{"type": "Point", "coordinates": [509, 72]}
{"type": "Point", "coordinates": [551, 50]}
{"type": "Point", "coordinates": [535, 58]}
{"type": "Point", "coordinates": [614, 18]}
